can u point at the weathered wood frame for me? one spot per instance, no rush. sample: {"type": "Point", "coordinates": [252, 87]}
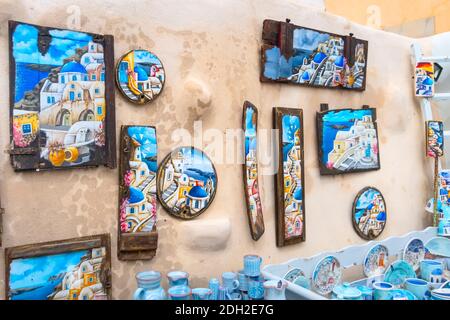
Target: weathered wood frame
{"type": "Point", "coordinates": [355, 226]}
{"type": "Point", "coordinates": [29, 158]}
{"type": "Point", "coordinates": [256, 230]}
{"type": "Point", "coordinates": [278, 114]}
{"type": "Point", "coordinates": [159, 177]}
{"type": "Point", "coordinates": [280, 34]}
{"type": "Point", "coordinates": [141, 100]}
{"type": "Point", "coordinates": [135, 245]}
{"type": "Point", "coordinates": [319, 129]}
{"type": "Point", "coordinates": [63, 246]}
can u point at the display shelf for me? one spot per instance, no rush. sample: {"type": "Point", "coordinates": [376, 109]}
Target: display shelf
{"type": "Point", "coordinates": [348, 257]}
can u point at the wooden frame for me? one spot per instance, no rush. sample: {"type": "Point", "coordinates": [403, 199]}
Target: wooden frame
{"type": "Point", "coordinates": [61, 247]}
{"type": "Point", "coordinates": [184, 213]}
{"type": "Point", "coordinates": [139, 244]}
{"type": "Point", "coordinates": [141, 99]}
{"type": "Point", "coordinates": [355, 226]}
{"type": "Point", "coordinates": [251, 184]}
{"type": "Point", "coordinates": [27, 155]}
{"type": "Point", "coordinates": [279, 36]}
{"type": "Point", "coordinates": [329, 168]}
{"type": "Point", "coordinates": [282, 240]}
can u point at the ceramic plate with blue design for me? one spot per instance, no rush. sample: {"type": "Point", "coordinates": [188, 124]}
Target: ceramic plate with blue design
{"type": "Point", "coordinates": [297, 276]}
{"type": "Point", "coordinates": [376, 261]}
{"type": "Point", "coordinates": [327, 274]}
{"type": "Point", "coordinates": [439, 246]}
{"type": "Point", "coordinates": [414, 253]}
{"type": "Point", "coordinates": [398, 272]}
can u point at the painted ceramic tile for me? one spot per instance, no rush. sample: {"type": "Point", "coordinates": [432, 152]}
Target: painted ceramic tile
{"type": "Point", "coordinates": [77, 273]}
{"type": "Point", "coordinates": [140, 76]}
{"type": "Point", "coordinates": [444, 186]}
{"type": "Point", "coordinates": [327, 275]}
{"type": "Point", "coordinates": [414, 253]}
{"type": "Point", "coordinates": [369, 213]}
{"type": "Point", "coordinates": [376, 261]}
{"type": "Point", "coordinates": [59, 98]}
{"type": "Point", "coordinates": [435, 139]}
{"type": "Point", "coordinates": [138, 209]}
{"type": "Point", "coordinates": [314, 58]}
{"type": "Point", "coordinates": [424, 79]}
{"type": "Point", "coordinates": [253, 197]}
{"type": "Point", "coordinates": [187, 182]}
{"type": "Point", "coordinates": [290, 178]}
{"type": "Point", "coordinates": [348, 141]}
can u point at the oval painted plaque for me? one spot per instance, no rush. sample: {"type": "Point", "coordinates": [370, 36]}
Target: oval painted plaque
{"type": "Point", "coordinates": [186, 182]}
{"type": "Point", "coordinates": [140, 76]}
{"type": "Point", "coordinates": [369, 213]}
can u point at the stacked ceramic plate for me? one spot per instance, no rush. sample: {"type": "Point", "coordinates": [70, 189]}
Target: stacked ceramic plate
{"type": "Point", "coordinates": [440, 294]}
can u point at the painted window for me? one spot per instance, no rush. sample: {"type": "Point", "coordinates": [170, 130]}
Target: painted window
{"type": "Point", "coordinates": [26, 128]}
{"type": "Point", "coordinates": [74, 78]}
{"type": "Point", "coordinates": [142, 172]}
{"type": "Point", "coordinates": [99, 110]}
{"type": "Point", "coordinates": [86, 60]}
{"type": "Point", "coordinates": [97, 90]}
{"type": "Point", "coordinates": [131, 210]}
{"type": "Point", "coordinates": [94, 77]}
{"type": "Point", "coordinates": [63, 79]}
{"type": "Point", "coordinates": [102, 76]}
{"type": "Point", "coordinates": [53, 99]}
{"type": "Point", "coordinates": [71, 95]}
{"type": "Point", "coordinates": [79, 95]}
{"type": "Point", "coordinates": [49, 100]}
{"type": "Point", "coordinates": [143, 207]}
{"type": "Point", "coordinates": [72, 86]}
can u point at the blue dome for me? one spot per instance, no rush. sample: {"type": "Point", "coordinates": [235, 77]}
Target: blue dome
{"type": "Point", "coordinates": [73, 67]}
{"type": "Point", "coordinates": [198, 192]}
{"type": "Point", "coordinates": [298, 194]}
{"type": "Point", "coordinates": [305, 76]}
{"type": "Point", "coordinates": [318, 58]}
{"type": "Point", "coordinates": [381, 216]}
{"type": "Point", "coordinates": [136, 195]}
{"type": "Point", "coordinates": [142, 75]}
{"type": "Point", "coordinates": [428, 81]}
{"type": "Point", "coordinates": [339, 62]}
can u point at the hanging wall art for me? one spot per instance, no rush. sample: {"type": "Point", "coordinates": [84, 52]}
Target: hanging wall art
{"type": "Point", "coordinates": [369, 213]}
{"type": "Point", "coordinates": [289, 180]}
{"type": "Point", "coordinates": [138, 237]}
{"type": "Point", "coordinates": [250, 168]}
{"type": "Point", "coordinates": [304, 56]}
{"type": "Point", "coordinates": [434, 135]}
{"type": "Point", "coordinates": [61, 98]}
{"type": "Point", "coordinates": [186, 182]}
{"type": "Point", "coordinates": [140, 76]}
{"type": "Point", "coordinates": [347, 140]}
{"type": "Point", "coordinates": [424, 79]}
{"type": "Point", "coordinates": [74, 269]}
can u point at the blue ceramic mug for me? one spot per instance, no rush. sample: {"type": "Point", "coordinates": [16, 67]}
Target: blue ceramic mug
{"type": "Point", "coordinates": [179, 293]}
{"type": "Point", "coordinates": [223, 294]}
{"type": "Point", "coordinates": [229, 281]}
{"type": "Point", "coordinates": [382, 291]}
{"type": "Point", "coordinates": [427, 267]}
{"type": "Point", "coordinates": [252, 265]}
{"type": "Point", "coordinates": [417, 287]}
{"type": "Point", "coordinates": [243, 281]}
{"type": "Point", "coordinates": [178, 278]}
{"type": "Point", "coordinates": [214, 285]}
{"type": "Point", "coordinates": [202, 294]}
{"type": "Point", "coordinates": [255, 288]}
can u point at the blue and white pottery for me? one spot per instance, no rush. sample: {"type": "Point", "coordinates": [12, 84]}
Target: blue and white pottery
{"type": "Point", "coordinates": [178, 278]}
{"type": "Point", "coordinates": [382, 291]}
{"type": "Point", "coordinates": [230, 281]}
{"type": "Point", "coordinates": [236, 296]}
{"type": "Point", "coordinates": [149, 286]}
{"type": "Point", "coordinates": [346, 292]}
{"type": "Point", "coordinates": [275, 290]}
{"type": "Point", "coordinates": [366, 292]}
{"type": "Point", "coordinates": [202, 294]}
{"type": "Point", "coordinates": [252, 265]}
{"type": "Point", "coordinates": [180, 293]}
{"type": "Point", "coordinates": [446, 285]}
{"type": "Point", "coordinates": [440, 294]}
{"type": "Point", "coordinates": [255, 288]}
{"type": "Point", "coordinates": [418, 287]}
{"type": "Point", "coordinates": [214, 285]}
{"type": "Point", "coordinates": [326, 275]}
{"type": "Point", "coordinates": [439, 246]}
{"type": "Point", "coordinates": [376, 261]}
{"type": "Point", "coordinates": [414, 252]}
{"type": "Point", "coordinates": [398, 272]}
{"type": "Point", "coordinates": [243, 281]}
{"type": "Point", "coordinates": [427, 267]}
{"type": "Point", "coordinates": [400, 294]}
{"type": "Point", "coordinates": [223, 294]}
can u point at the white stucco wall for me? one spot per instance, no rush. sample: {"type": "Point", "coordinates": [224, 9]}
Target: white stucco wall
{"type": "Point", "coordinates": [211, 53]}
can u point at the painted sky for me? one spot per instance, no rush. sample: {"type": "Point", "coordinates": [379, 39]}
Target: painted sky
{"type": "Point", "coordinates": [197, 160]}
{"type": "Point", "coordinates": [146, 136]}
{"type": "Point", "coordinates": [290, 125]}
{"type": "Point", "coordinates": [143, 56]}
{"type": "Point", "coordinates": [346, 115]}
{"type": "Point", "coordinates": [366, 198]}
{"type": "Point", "coordinates": [63, 45]}
{"type": "Point", "coordinates": [31, 272]}
{"type": "Point", "coordinates": [249, 125]}
{"type": "Point", "coordinates": [308, 40]}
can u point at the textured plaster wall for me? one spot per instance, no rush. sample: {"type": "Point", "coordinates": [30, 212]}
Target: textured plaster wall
{"type": "Point", "coordinates": [210, 50]}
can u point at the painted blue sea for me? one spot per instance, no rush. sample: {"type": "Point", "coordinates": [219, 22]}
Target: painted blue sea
{"type": "Point", "coordinates": [40, 293]}
{"type": "Point", "coordinates": [27, 78]}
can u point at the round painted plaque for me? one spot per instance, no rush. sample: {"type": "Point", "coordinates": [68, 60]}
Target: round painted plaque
{"type": "Point", "coordinates": [327, 274]}
{"type": "Point", "coordinates": [369, 213]}
{"type": "Point", "coordinates": [186, 182]}
{"type": "Point", "coordinates": [376, 261]}
{"type": "Point", "coordinates": [140, 76]}
{"type": "Point", "coordinates": [414, 253]}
